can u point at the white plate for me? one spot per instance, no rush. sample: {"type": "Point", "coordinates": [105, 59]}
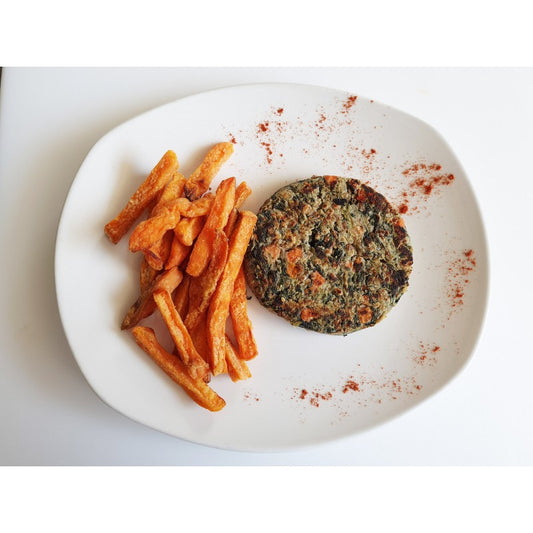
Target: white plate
{"type": "Point", "coordinates": [283, 133]}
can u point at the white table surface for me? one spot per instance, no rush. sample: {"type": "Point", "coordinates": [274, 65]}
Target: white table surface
{"type": "Point", "coordinates": [50, 119]}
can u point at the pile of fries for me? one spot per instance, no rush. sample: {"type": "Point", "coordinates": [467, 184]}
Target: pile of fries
{"type": "Point", "coordinates": [193, 244]}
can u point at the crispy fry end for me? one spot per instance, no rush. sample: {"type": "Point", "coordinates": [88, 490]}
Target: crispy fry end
{"type": "Point", "coordinates": [242, 326]}
{"type": "Point", "coordinates": [200, 180]}
{"type": "Point", "coordinates": [190, 357]}
{"type": "Point", "coordinates": [197, 389]}
{"type": "Point", "coordinates": [142, 197]}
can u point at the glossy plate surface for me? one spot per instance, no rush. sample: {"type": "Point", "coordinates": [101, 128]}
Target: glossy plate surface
{"type": "Point", "coordinates": [306, 388]}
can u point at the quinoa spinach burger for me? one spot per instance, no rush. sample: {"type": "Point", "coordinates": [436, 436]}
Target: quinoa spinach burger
{"type": "Point", "coordinates": [329, 254]}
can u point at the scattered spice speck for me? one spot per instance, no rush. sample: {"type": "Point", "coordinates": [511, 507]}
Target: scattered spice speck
{"type": "Point", "coordinates": [251, 397]}
{"type": "Point", "coordinates": [358, 388]}
{"type": "Point", "coordinates": [350, 385]}
{"type": "Point", "coordinates": [348, 103]}
{"type": "Point", "coordinates": [426, 354]}
{"type": "Point", "coordinates": [322, 129]}
{"type": "Point", "coordinates": [458, 276]}
{"type": "Point", "coordinates": [420, 181]}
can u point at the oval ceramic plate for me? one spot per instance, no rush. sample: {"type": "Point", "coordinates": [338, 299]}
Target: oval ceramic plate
{"type": "Point", "coordinates": [306, 387]}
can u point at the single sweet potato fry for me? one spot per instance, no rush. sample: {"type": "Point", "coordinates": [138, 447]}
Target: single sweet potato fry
{"type": "Point", "coordinates": [178, 253]}
{"type": "Point", "coordinates": [241, 193]}
{"type": "Point", "coordinates": [203, 287]}
{"type": "Point", "coordinates": [197, 389]}
{"type": "Point", "coordinates": [157, 255]}
{"type": "Point", "coordinates": [242, 326]}
{"type": "Point", "coordinates": [141, 198]}
{"type": "Point", "coordinates": [201, 178]}
{"type": "Point", "coordinates": [181, 296]}
{"type": "Point", "coordinates": [146, 275]}
{"type": "Point", "coordinates": [188, 229]}
{"type": "Point", "coordinates": [220, 302]}
{"type": "Point", "coordinates": [237, 368]}
{"type": "Point", "coordinates": [199, 336]}
{"type": "Point", "coordinates": [217, 219]}
{"type": "Point", "coordinates": [232, 220]}
{"type": "Point", "coordinates": [190, 357]}
{"type": "Point", "coordinates": [145, 306]}
{"type": "Point", "coordinates": [172, 191]}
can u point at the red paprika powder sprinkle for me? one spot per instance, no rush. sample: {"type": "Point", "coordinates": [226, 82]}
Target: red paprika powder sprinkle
{"type": "Point", "coordinates": [426, 355]}
{"type": "Point", "coordinates": [367, 154]}
{"type": "Point", "coordinates": [350, 385]}
{"type": "Point", "coordinates": [425, 179]}
{"type": "Point", "coordinates": [459, 270]}
{"type": "Point", "coordinates": [469, 255]}
{"type": "Point", "coordinates": [271, 131]}
{"type": "Point", "coordinates": [268, 150]}
{"type": "Point", "coordinates": [348, 103]}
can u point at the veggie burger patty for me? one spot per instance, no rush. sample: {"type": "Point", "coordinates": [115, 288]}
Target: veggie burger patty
{"type": "Point", "coordinates": [329, 254]}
